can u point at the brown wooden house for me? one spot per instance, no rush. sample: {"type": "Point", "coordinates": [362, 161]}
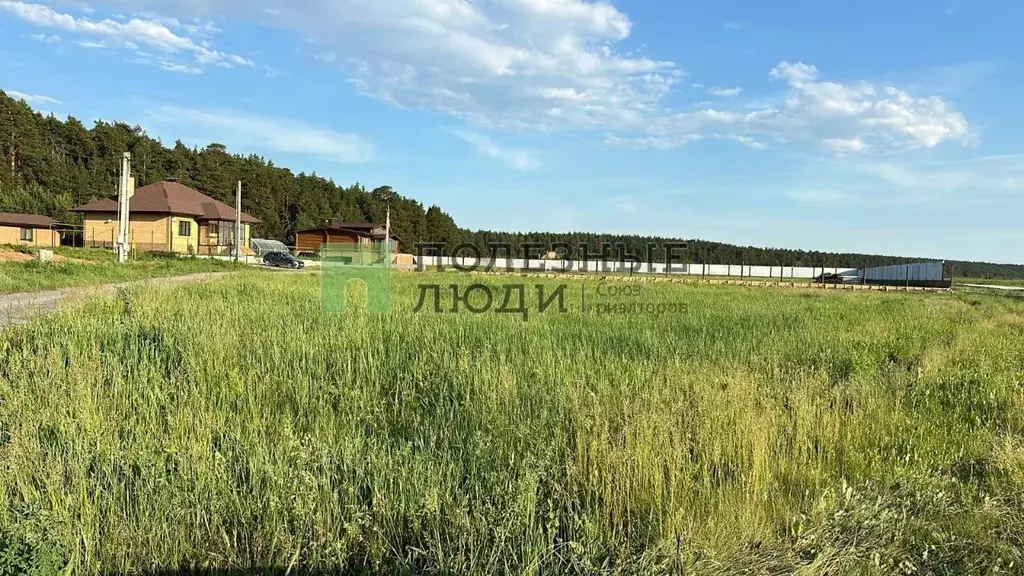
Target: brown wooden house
{"type": "Point", "coordinates": [311, 240]}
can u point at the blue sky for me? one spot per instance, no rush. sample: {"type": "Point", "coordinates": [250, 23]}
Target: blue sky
{"type": "Point", "coordinates": [886, 127]}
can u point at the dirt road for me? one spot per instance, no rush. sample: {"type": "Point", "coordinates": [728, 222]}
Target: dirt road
{"type": "Point", "coordinates": [23, 307]}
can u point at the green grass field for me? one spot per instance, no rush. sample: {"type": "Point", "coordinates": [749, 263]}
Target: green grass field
{"type": "Point", "coordinates": [89, 266]}
{"type": "Point", "coordinates": [234, 424]}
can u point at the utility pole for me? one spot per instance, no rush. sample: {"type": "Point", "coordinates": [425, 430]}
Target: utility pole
{"type": "Point", "coordinates": [125, 189]}
{"type": "Point", "coordinates": [238, 220]}
{"type": "Point", "coordinates": [387, 236]}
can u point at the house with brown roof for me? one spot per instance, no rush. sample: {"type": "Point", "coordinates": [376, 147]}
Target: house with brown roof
{"type": "Point", "coordinates": [28, 230]}
{"type": "Point", "coordinates": [167, 216]}
{"type": "Point", "coordinates": [339, 232]}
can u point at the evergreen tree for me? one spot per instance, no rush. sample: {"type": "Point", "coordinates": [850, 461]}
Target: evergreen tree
{"type": "Point", "coordinates": [48, 166]}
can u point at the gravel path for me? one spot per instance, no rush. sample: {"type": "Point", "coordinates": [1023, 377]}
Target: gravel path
{"type": "Point", "coordinates": [23, 307]}
{"type": "Point", "coordinates": [995, 287]}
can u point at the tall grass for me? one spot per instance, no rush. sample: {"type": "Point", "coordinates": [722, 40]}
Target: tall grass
{"type": "Point", "coordinates": [235, 425]}
{"type": "Point", "coordinates": [33, 275]}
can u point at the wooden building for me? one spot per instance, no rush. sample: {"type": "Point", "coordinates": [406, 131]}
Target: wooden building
{"type": "Point", "coordinates": [28, 230]}
{"type": "Point", "coordinates": [167, 216]}
{"type": "Point", "coordinates": [311, 240]}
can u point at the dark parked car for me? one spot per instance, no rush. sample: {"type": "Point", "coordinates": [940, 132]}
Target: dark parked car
{"type": "Point", "coordinates": [282, 260]}
{"type": "Point", "coordinates": [829, 278]}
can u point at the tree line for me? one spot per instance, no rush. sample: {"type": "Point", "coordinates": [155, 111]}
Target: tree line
{"type": "Point", "coordinates": [49, 166]}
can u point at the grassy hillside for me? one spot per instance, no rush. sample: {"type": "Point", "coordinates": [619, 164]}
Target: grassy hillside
{"type": "Point", "coordinates": [236, 425]}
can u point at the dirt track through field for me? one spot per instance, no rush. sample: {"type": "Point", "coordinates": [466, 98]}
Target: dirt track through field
{"type": "Point", "coordinates": [23, 307]}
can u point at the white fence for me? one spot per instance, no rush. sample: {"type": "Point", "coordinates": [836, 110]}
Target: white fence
{"type": "Point", "coordinates": [611, 267]}
{"type": "Point", "coordinates": [923, 271]}
{"type": "Point", "coordinates": [918, 271]}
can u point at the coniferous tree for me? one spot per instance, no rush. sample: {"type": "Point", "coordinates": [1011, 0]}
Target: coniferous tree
{"type": "Point", "coordinates": [48, 166]}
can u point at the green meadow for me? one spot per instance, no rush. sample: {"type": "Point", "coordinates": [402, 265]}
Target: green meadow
{"type": "Point", "coordinates": [91, 266]}
{"type": "Point", "coordinates": [236, 425]}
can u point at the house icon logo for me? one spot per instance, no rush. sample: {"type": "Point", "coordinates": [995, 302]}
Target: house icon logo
{"type": "Point", "coordinates": [348, 265]}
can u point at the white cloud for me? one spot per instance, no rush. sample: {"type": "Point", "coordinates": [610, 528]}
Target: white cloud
{"type": "Point", "coordinates": [326, 57]}
{"type": "Point", "coordinates": [745, 140]}
{"type": "Point", "coordinates": [79, 5]}
{"type": "Point", "coordinates": [46, 39]}
{"type": "Point", "coordinates": [844, 145]}
{"type": "Point", "coordinates": [507, 64]}
{"type": "Point", "coordinates": [129, 33]}
{"type": "Point", "coordinates": [517, 158]}
{"type": "Point", "coordinates": [147, 59]}
{"type": "Point", "coordinates": [32, 98]}
{"type": "Point", "coordinates": [655, 142]}
{"type": "Point", "coordinates": [551, 65]}
{"type": "Point", "coordinates": [180, 68]}
{"type": "Point", "coordinates": [725, 92]}
{"type": "Point", "coordinates": [842, 118]}
{"type": "Point", "coordinates": [885, 115]}
{"type": "Point", "coordinates": [675, 141]}
{"type": "Point", "coordinates": [282, 135]}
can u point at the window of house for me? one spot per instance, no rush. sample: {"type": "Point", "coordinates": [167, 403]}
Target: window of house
{"type": "Point", "coordinates": [26, 234]}
{"type": "Point", "coordinates": [184, 228]}
{"type": "Point", "coordinates": [222, 233]}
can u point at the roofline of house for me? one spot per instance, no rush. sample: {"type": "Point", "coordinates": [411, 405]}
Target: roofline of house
{"type": "Point", "coordinates": [46, 221]}
{"type": "Point", "coordinates": [196, 217]}
{"type": "Point", "coordinates": [335, 229]}
{"type": "Point", "coordinates": [29, 225]}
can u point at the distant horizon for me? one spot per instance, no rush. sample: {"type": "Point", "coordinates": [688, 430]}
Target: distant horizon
{"type": "Point", "coordinates": [749, 123]}
{"type": "Point", "coordinates": [681, 238]}
{"type": "Point", "coordinates": [755, 247]}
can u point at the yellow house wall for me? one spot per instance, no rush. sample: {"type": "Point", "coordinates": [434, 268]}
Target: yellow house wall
{"type": "Point", "coordinates": [182, 244]}
{"type": "Point", "coordinates": [149, 232]}
{"type": "Point", "coordinates": [42, 237]}
{"type": "Point", "coordinates": [99, 229]}
{"type": "Point", "coordinates": [145, 231]}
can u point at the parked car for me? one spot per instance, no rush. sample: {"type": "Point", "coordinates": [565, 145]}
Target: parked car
{"type": "Point", "coordinates": [829, 278]}
{"type": "Point", "coordinates": [282, 260]}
